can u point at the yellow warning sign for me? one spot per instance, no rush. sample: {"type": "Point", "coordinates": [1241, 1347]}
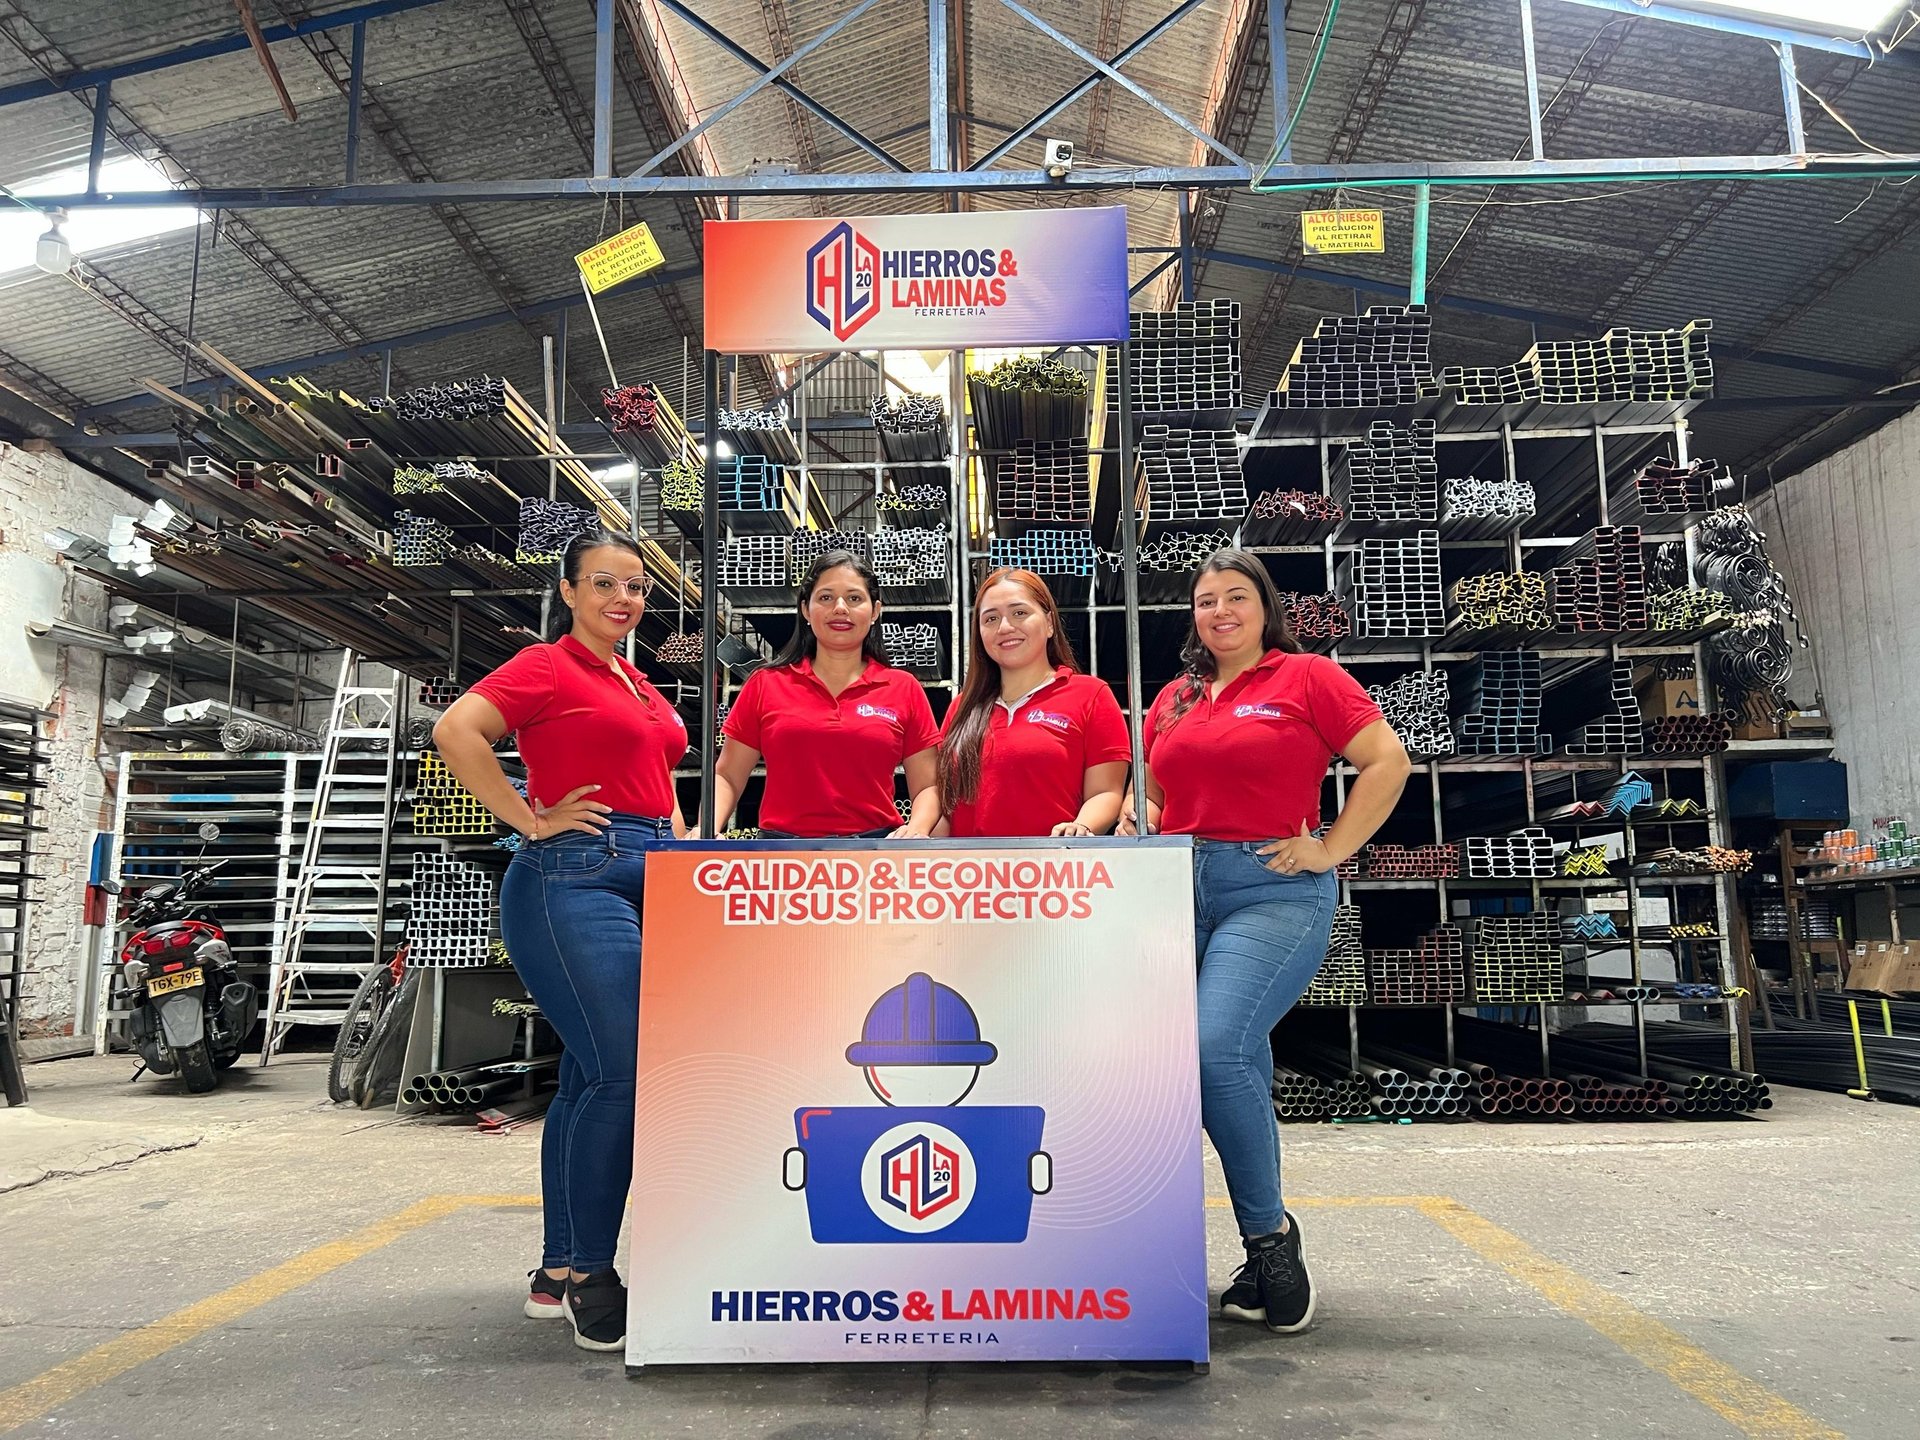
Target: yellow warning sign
{"type": "Point", "coordinates": [632, 252]}
{"type": "Point", "coordinates": [1343, 232]}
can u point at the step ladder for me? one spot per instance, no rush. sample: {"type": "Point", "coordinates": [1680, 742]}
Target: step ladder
{"type": "Point", "coordinates": [333, 911]}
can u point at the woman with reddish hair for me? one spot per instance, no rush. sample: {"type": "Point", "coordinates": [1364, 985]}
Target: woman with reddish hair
{"type": "Point", "coordinates": [1031, 746]}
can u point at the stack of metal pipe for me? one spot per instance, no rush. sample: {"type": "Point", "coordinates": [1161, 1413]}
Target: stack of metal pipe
{"type": "Point", "coordinates": [1689, 734]}
{"type": "Point", "coordinates": [1191, 475]}
{"type": "Point", "coordinates": [1301, 1095]}
{"type": "Point", "coordinates": [1432, 972]}
{"type": "Point", "coordinates": [1396, 587]}
{"type": "Point", "coordinates": [467, 1087]}
{"type": "Point", "coordinates": [1047, 552]}
{"type": "Point", "coordinates": [1185, 360]}
{"type": "Point", "coordinates": [1501, 705]}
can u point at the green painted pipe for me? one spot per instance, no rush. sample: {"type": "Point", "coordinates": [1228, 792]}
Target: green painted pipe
{"type": "Point", "coordinates": [1422, 214]}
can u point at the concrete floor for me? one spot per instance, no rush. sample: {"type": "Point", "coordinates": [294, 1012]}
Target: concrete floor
{"type": "Point", "coordinates": [1698, 1280]}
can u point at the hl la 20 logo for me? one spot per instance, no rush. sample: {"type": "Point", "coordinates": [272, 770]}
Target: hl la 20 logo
{"type": "Point", "coordinates": [918, 1178]}
{"type": "Point", "coordinates": [843, 280]}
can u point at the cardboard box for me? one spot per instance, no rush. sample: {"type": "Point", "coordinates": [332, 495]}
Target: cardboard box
{"type": "Point", "coordinates": [1888, 969]}
{"type": "Point", "coordinates": [1659, 698]}
{"type": "Point", "coordinates": [1748, 728]}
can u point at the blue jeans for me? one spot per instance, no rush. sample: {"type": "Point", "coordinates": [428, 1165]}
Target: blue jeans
{"type": "Point", "coordinates": [570, 914]}
{"type": "Point", "coordinates": [1260, 938]}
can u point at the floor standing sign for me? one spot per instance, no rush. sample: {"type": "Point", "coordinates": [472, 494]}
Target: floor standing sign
{"type": "Point", "coordinates": [918, 1102]}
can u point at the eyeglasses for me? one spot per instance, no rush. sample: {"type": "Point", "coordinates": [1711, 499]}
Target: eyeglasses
{"type": "Point", "coordinates": [639, 587]}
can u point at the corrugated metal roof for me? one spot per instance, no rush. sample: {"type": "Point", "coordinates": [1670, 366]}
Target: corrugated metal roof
{"type": "Point", "coordinates": [460, 82]}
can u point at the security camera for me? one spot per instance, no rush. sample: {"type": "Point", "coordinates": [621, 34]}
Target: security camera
{"type": "Point", "coordinates": [1059, 158]}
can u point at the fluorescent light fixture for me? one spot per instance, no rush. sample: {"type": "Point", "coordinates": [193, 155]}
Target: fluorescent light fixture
{"type": "Point", "coordinates": [53, 254]}
{"type": "Point", "coordinates": [24, 233]}
{"type": "Point", "coordinates": [624, 471]}
{"type": "Point", "coordinates": [1822, 17]}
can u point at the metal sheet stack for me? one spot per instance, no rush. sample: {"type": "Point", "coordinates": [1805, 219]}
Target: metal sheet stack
{"type": "Point", "coordinates": [1370, 361]}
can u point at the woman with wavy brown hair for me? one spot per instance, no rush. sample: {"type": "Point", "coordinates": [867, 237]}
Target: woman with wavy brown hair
{"type": "Point", "coordinates": [1031, 746]}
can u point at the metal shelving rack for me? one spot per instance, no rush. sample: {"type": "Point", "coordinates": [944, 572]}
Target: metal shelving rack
{"type": "Point", "coordinates": [23, 781]}
{"type": "Point", "coordinates": [1577, 458]}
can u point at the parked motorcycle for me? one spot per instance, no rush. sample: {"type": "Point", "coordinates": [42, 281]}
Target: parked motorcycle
{"type": "Point", "coordinates": [187, 1009]}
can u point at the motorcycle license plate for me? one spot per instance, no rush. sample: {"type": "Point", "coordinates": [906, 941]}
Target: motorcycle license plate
{"type": "Point", "coordinates": [167, 984]}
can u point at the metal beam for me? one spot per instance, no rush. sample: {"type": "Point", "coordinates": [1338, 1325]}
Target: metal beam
{"type": "Point", "coordinates": [356, 88]}
{"type": "Point", "coordinates": [786, 87]}
{"type": "Point", "coordinates": [77, 79]}
{"type": "Point", "coordinates": [939, 149]}
{"type": "Point", "coordinates": [1532, 64]}
{"type": "Point", "coordinates": [1790, 101]}
{"type": "Point", "coordinates": [603, 90]}
{"type": "Point", "coordinates": [1258, 64]}
{"type": "Point", "coordinates": [1780, 34]}
{"type": "Point", "coordinates": [1147, 37]}
{"type": "Point", "coordinates": [411, 338]}
{"type": "Point", "coordinates": [1087, 57]}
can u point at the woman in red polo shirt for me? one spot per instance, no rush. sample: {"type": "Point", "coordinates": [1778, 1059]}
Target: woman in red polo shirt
{"type": "Point", "coordinates": [832, 720]}
{"type": "Point", "coordinates": [600, 744]}
{"type": "Point", "coordinates": [1237, 749]}
{"type": "Point", "coordinates": [1032, 746]}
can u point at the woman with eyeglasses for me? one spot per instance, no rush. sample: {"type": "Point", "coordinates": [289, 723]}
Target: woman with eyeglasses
{"type": "Point", "coordinates": [833, 721]}
{"type": "Point", "coordinates": [600, 744]}
{"type": "Point", "coordinates": [1237, 751]}
{"type": "Point", "coordinates": [1032, 746]}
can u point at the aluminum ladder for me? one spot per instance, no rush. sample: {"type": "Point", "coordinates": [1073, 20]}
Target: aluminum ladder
{"type": "Point", "coordinates": [333, 920]}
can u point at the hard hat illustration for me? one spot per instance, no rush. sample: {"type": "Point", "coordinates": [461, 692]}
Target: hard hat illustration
{"type": "Point", "coordinates": [920, 1022]}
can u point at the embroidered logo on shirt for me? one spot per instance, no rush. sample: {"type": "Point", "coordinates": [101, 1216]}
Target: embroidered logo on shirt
{"type": "Point", "coordinates": [1265, 712]}
{"type": "Point", "coordinates": [1044, 717]}
{"type": "Point", "coordinates": [877, 711]}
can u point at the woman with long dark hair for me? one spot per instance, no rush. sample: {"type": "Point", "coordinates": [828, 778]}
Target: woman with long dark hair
{"type": "Point", "coordinates": [1031, 746]}
{"type": "Point", "coordinates": [833, 720]}
{"type": "Point", "coordinates": [600, 744]}
{"type": "Point", "coordinates": [1236, 750]}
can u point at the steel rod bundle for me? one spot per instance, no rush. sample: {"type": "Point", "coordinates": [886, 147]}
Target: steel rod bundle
{"type": "Point", "coordinates": [1767, 919]}
{"type": "Point", "coordinates": [1342, 977]}
{"type": "Point", "coordinates": [1525, 854]}
{"type": "Point", "coordinates": [1516, 958]}
{"type": "Point", "coordinates": [1290, 517]}
{"type": "Point", "coordinates": [1191, 475]}
{"type": "Point", "coordinates": [1045, 552]}
{"type": "Point", "coordinates": [1500, 706]}
{"type": "Point", "coordinates": [1392, 475]}
{"type": "Point", "coordinates": [1433, 971]}
{"type": "Point", "coordinates": [1396, 587]}
{"type": "Point", "coordinates": [1620, 732]}
{"type": "Point", "coordinates": [1415, 705]}
{"type": "Point", "coordinates": [1502, 600]}
{"type": "Point", "coordinates": [1707, 860]}
{"type": "Point", "coordinates": [1361, 362]}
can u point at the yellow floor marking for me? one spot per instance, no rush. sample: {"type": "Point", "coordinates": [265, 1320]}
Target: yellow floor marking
{"type": "Point", "coordinates": [1744, 1403]}
{"type": "Point", "coordinates": [72, 1378]}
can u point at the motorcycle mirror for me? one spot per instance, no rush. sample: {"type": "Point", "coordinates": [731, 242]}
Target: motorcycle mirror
{"type": "Point", "coordinates": [208, 831]}
{"type": "Point", "coordinates": [112, 887]}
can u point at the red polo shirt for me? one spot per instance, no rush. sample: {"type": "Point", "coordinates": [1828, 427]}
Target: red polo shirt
{"type": "Point", "coordinates": [1033, 762]}
{"type": "Point", "coordinates": [1248, 764]}
{"type": "Point", "coordinates": [579, 725]}
{"type": "Point", "coordinates": [830, 759]}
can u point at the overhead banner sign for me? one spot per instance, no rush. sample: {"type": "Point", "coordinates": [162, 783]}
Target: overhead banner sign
{"type": "Point", "coordinates": [917, 282]}
{"type": "Point", "coordinates": [873, 1119]}
{"type": "Point", "coordinates": [631, 253]}
{"type": "Point", "coordinates": [1343, 232]}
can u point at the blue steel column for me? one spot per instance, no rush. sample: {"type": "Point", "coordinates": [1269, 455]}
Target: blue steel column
{"type": "Point", "coordinates": [710, 596]}
{"type": "Point", "coordinates": [356, 78]}
{"type": "Point", "coordinates": [1130, 574]}
{"type": "Point", "coordinates": [603, 91]}
{"type": "Point", "coordinates": [1277, 55]}
{"type": "Point", "coordinates": [97, 151]}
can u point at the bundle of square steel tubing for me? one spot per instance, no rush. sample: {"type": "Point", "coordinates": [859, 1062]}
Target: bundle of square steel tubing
{"type": "Point", "coordinates": [1396, 587]}
{"type": "Point", "coordinates": [1342, 977]}
{"type": "Point", "coordinates": [422, 540]}
{"type": "Point", "coordinates": [1601, 584]}
{"type": "Point", "coordinates": [1516, 958]}
{"type": "Point", "coordinates": [1620, 732]}
{"type": "Point", "coordinates": [1433, 972]}
{"type": "Point", "coordinates": [451, 914]}
{"type": "Point", "coordinates": [1501, 705]}
{"type": "Point", "coordinates": [910, 559]}
{"type": "Point", "coordinates": [810, 545]}
{"type": "Point", "coordinates": [913, 647]}
{"type": "Point", "coordinates": [1622, 365]}
{"type": "Point", "coordinates": [1290, 517]}
{"type": "Point", "coordinates": [1524, 855]}
{"type": "Point", "coordinates": [1666, 487]}
{"type": "Point", "coordinates": [1403, 862]}
{"type": "Point", "coordinates": [1045, 552]}
{"type": "Point", "coordinates": [1185, 360]}
{"type": "Point", "coordinates": [1361, 362]}
{"type": "Point", "coordinates": [1048, 481]}
{"type": "Point", "coordinates": [756, 563]}
{"type": "Point", "coordinates": [1392, 475]}
{"type": "Point", "coordinates": [1192, 475]}
{"type": "Point", "coordinates": [1415, 705]}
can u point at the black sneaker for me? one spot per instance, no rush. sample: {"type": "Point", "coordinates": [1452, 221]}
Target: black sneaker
{"type": "Point", "coordinates": [544, 1294]}
{"type": "Point", "coordinates": [597, 1307]}
{"type": "Point", "coordinates": [1273, 1286]}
